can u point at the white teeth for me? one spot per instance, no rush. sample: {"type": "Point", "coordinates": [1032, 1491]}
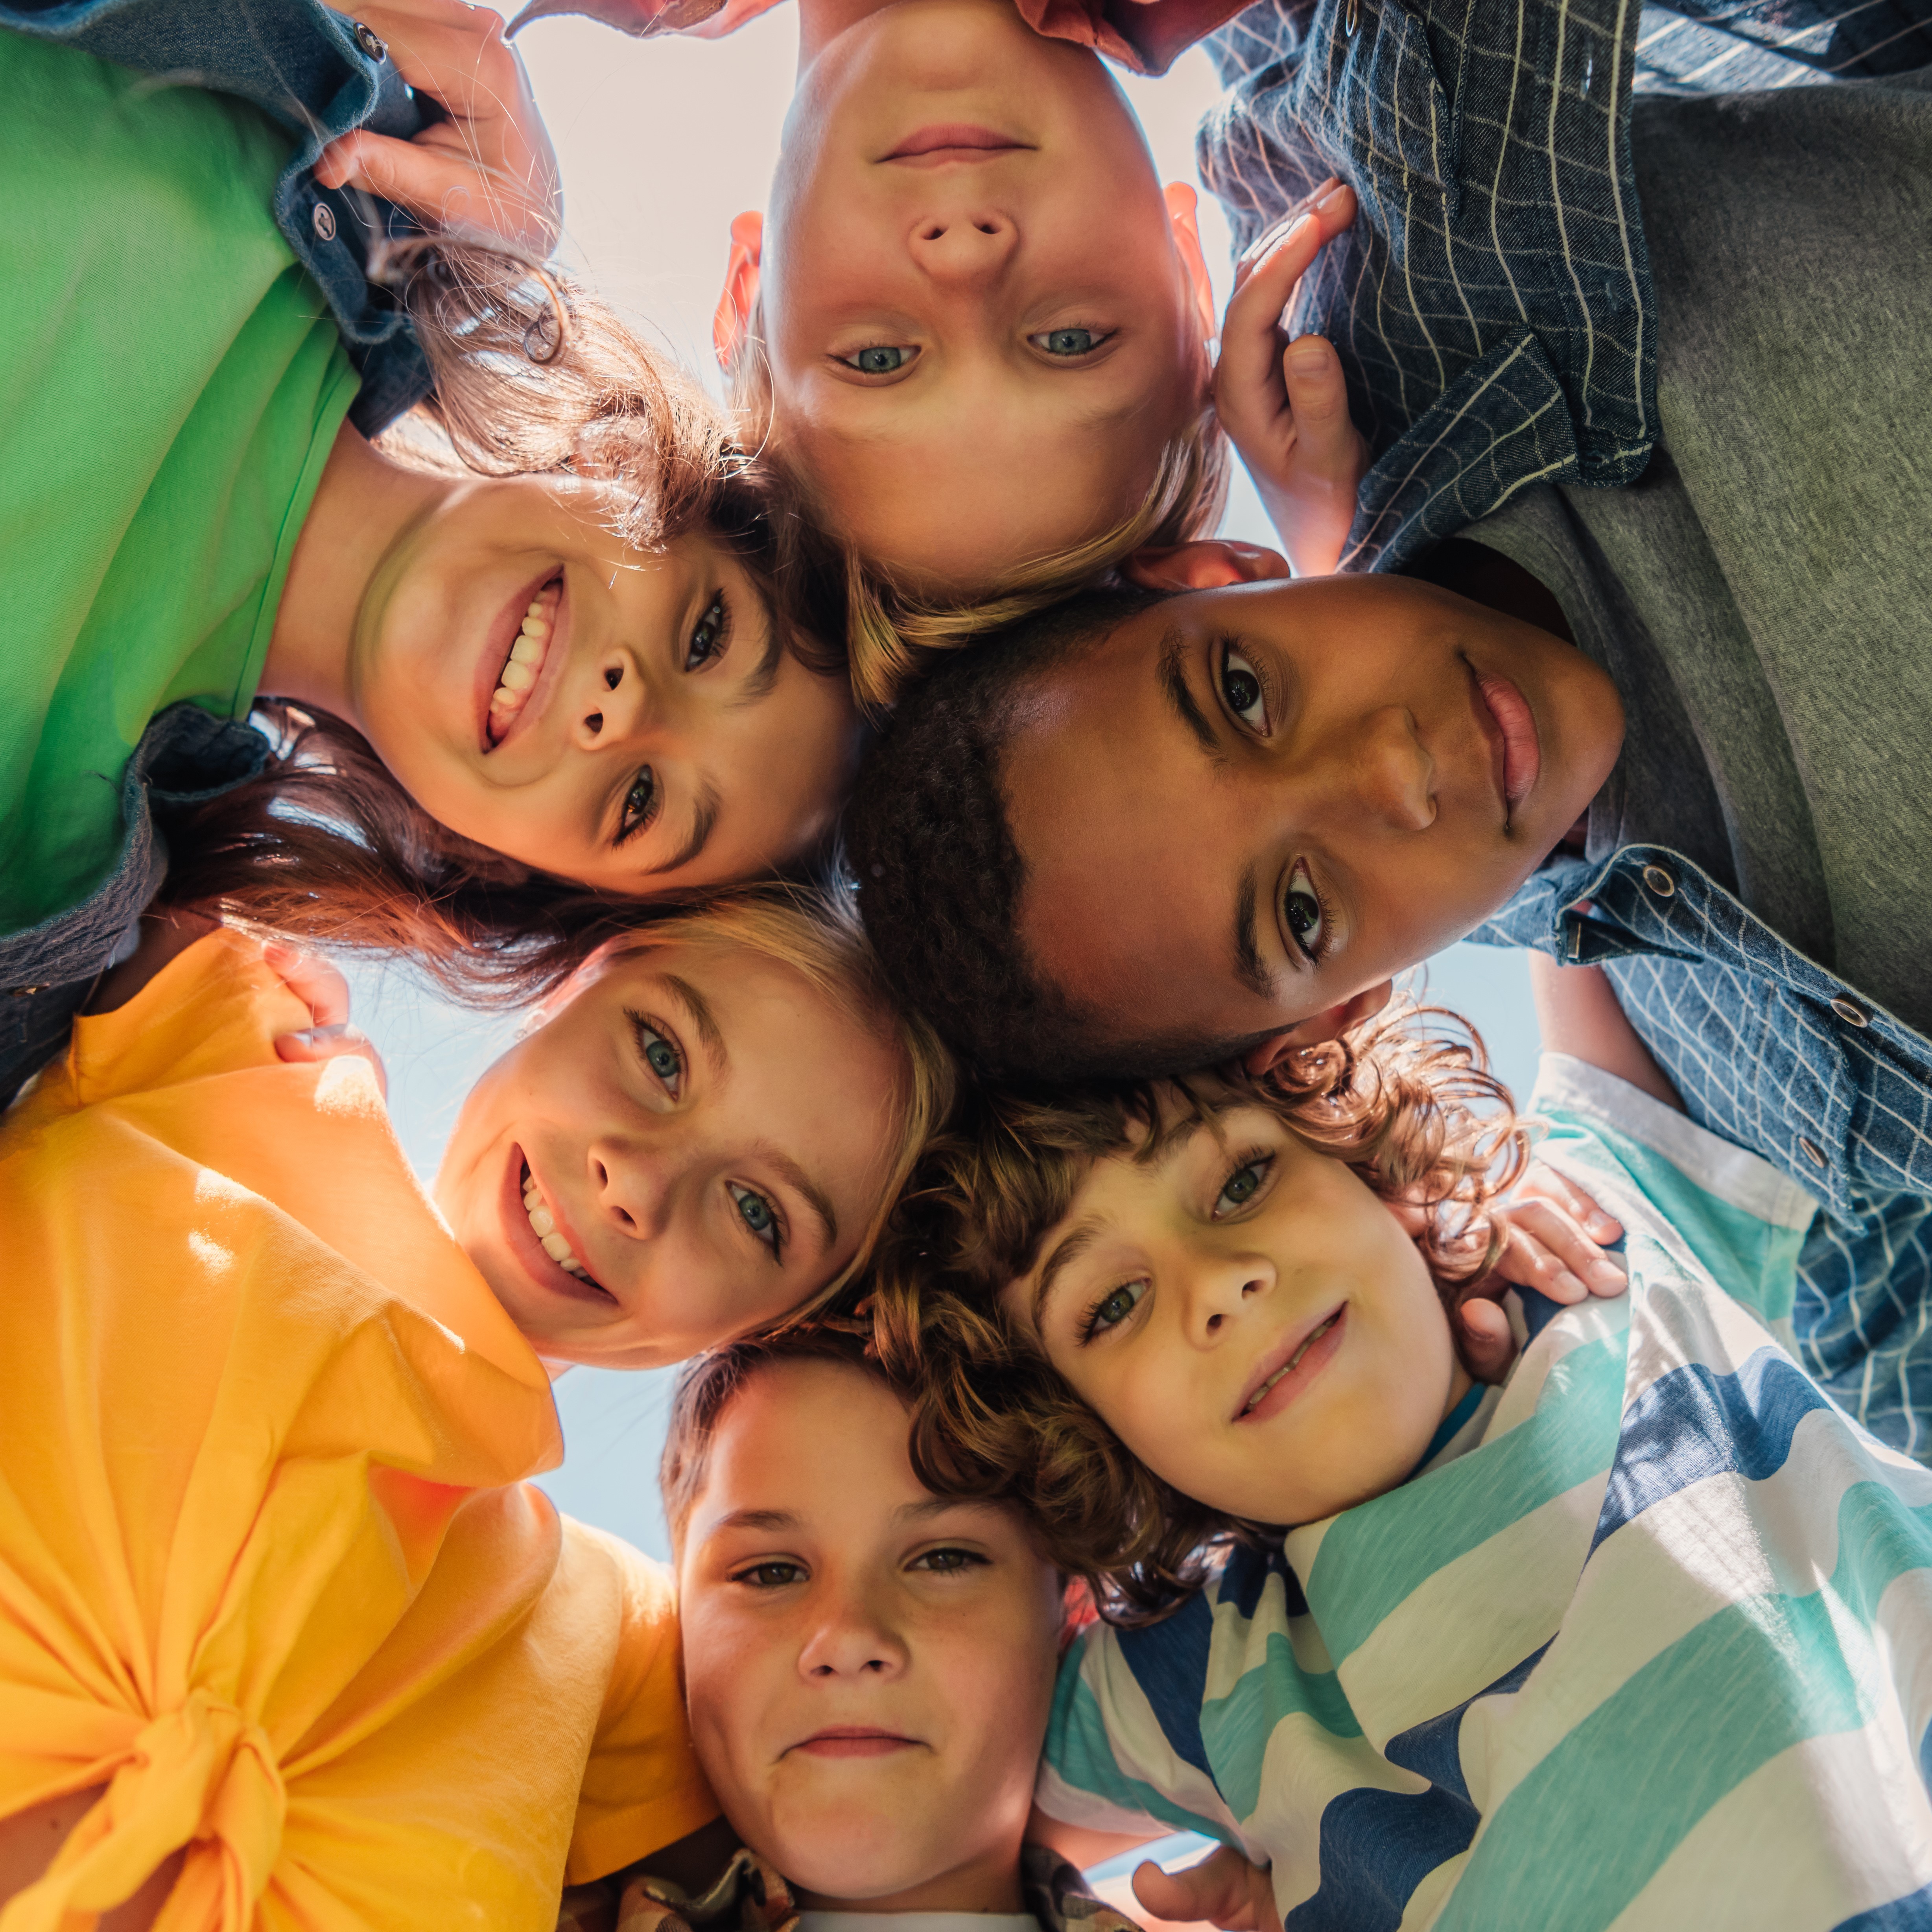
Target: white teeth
{"type": "Point", "coordinates": [520, 668]}
{"type": "Point", "coordinates": [1314, 1336]}
{"type": "Point", "coordinates": [543, 1225]}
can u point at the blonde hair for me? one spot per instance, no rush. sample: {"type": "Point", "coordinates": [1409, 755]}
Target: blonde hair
{"type": "Point", "coordinates": [1413, 1109]}
{"type": "Point", "coordinates": [814, 931]}
{"type": "Point", "coordinates": [891, 629]}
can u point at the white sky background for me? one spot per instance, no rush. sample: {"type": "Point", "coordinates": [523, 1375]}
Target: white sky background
{"type": "Point", "coordinates": [661, 142]}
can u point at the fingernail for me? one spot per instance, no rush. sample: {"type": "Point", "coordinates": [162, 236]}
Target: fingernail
{"type": "Point", "coordinates": [1308, 357]}
{"type": "Point", "coordinates": [1332, 194]}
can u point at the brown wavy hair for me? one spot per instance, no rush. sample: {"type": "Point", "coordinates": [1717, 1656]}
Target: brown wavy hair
{"type": "Point", "coordinates": [533, 378]}
{"type": "Point", "coordinates": [1407, 1101]}
{"type": "Point", "coordinates": [893, 629]}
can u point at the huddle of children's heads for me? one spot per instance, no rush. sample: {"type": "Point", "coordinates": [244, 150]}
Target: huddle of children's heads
{"type": "Point", "coordinates": [700, 1131]}
{"type": "Point", "coordinates": [967, 369]}
{"type": "Point", "coordinates": [1180, 821]}
{"type": "Point", "coordinates": [869, 1665]}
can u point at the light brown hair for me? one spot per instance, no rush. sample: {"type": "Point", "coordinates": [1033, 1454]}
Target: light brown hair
{"type": "Point", "coordinates": [1406, 1100]}
{"type": "Point", "coordinates": [891, 628]}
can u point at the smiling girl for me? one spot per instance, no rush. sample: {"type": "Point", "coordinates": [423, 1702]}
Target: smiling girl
{"type": "Point", "coordinates": [561, 663]}
{"type": "Point", "coordinates": [285, 1637]}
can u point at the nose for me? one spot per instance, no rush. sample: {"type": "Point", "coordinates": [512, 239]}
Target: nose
{"type": "Point", "coordinates": [852, 1640]}
{"type": "Point", "coordinates": [631, 1184]}
{"type": "Point", "coordinates": [1391, 775]}
{"type": "Point", "coordinates": [963, 250]}
{"type": "Point", "coordinates": [1219, 1291]}
{"type": "Point", "coordinates": [615, 708]}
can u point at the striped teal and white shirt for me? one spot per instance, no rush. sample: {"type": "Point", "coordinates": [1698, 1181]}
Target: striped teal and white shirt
{"type": "Point", "coordinates": [1655, 1651]}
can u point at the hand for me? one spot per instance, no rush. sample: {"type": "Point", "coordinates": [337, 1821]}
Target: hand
{"type": "Point", "coordinates": [1284, 404]}
{"type": "Point", "coordinates": [323, 990]}
{"type": "Point", "coordinates": [1553, 1234]}
{"type": "Point", "coordinates": [490, 165]}
{"type": "Point", "coordinates": [1224, 1889]}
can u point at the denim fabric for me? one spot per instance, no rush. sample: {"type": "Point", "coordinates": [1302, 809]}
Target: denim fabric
{"type": "Point", "coordinates": [1492, 306]}
{"type": "Point", "coordinates": [186, 754]}
{"type": "Point", "coordinates": [1773, 1052]}
{"type": "Point", "coordinates": [311, 69]}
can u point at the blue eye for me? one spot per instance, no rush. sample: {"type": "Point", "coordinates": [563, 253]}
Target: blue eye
{"type": "Point", "coordinates": [658, 1053]}
{"type": "Point", "coordinates": [758, 1214]}
{"type": "Point", "coordinates": [879, 359]}
{"type": "Point", "coordinates": [1068, 342]}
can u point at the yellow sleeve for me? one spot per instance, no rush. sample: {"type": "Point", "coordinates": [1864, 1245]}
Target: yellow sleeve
{"type": "Point", "coordinates": [643, 1788]}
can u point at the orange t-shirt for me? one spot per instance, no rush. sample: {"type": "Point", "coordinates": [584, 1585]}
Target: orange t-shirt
{"type": "Point", "coordinates": [268, 1567]}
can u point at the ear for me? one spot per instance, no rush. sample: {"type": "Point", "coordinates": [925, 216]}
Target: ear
{"type": "Point", "coordinates": [1329, 1025]}
{"type": "Point", "coordinates": [1208, 564]}
{"type": "Point", "coordinates": [1181, 201]}
{"type": "Point", "coordinates": [739, 300]}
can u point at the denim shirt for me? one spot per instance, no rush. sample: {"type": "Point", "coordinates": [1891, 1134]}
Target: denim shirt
{"type": "Point", "coordinates": [1772, 1051]}
{"type": "Point", "coordinates": [321, 75]}
{"type": "Point", "coordinates": [1493, 305]}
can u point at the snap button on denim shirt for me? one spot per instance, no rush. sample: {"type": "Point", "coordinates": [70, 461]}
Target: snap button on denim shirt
{"type": "Point", "coordinates": [1770, 1050]}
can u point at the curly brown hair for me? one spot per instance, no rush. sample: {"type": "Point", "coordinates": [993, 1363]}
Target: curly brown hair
{"type": "Point", "coordinates": [1406, 1100]}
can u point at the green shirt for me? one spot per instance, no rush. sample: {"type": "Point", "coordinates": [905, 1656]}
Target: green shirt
{"type": "Point", "coordinates": [170, 388]}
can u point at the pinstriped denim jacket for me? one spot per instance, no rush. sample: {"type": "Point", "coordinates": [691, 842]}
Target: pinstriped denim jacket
{"type": "Point", "coordinates": [321, 75]}
{"type": "Point", "coordinates": [1493, 305]}
{"type": "Point", "coordinates": [1774, 1053]}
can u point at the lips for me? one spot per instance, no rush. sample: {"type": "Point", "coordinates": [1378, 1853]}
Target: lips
{"type": "Point", "coordinates": [1516, 748]}
{"type": "Point", "coordinates": [956, 141]}
{"type": "Point", "coordinates": [528, 1246]}
{"type": "Point", "coordinates": [1287, 1370]}
{"type": "Point", "coordinates": [854, 1740]}
{"type": "Point", "coordinates": [495, 727]}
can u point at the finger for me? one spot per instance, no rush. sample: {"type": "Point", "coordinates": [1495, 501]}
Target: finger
{"type": "Point", "coordinates": [1214, 1891]}
{"type": "Point", "coordinates": [1325, 439]}
{"type": "Point", "coordinates": [1488, 1346]}
{"type": "Point", "coordinates": [1597, 1220]}
{"type": "Point", "coordinates": [317, 982]}
{"type": "Point", "coordinates": [1557, 1234]}
{"type": "Point", "coordinates": [439, 187]}
{"type": "Point", "coordinates": [337, 1042]}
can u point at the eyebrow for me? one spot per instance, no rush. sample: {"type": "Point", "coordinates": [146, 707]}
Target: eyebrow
{"type": "Point", "coordinates": [816, 1198]}
{"type": "Point", "coordinates": [760, 684]}
{"type": "Point", "coordinates": [702, 821]}
{"type": "Point", "coordinates": [754, 1519]}
{"type": "Point", "coordinates": [699, 1010]}
{"type": "Point", "coordinates": [1249, 968]}
{"type": "Point", "coordinates": [1172, 670]}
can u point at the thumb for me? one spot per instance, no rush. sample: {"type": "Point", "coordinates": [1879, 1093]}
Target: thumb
{"type": "Point", "coordinates": [1318, 398]}
{"type": "Point", "coordinates": [1215, 1892]}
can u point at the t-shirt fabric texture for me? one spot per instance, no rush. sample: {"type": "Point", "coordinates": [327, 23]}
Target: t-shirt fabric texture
{"type": "Point", "coordinates": [171, 386]}
{"type": "Point", "coordinates": [1657, 1652]}
{"type": "Point", "coordinates": [1759, 597]}
{"type": "Point", "coordinates": [268, 1570]}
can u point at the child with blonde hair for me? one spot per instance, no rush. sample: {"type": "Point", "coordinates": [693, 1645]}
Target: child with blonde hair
{"type": "Point", "coordinates": [1637, 1636]}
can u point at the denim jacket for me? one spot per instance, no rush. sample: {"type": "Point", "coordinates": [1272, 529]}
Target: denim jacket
{"type": "Point", "coordinates": [1773, 1052]}
{"type": "Point", "coordinates": [1493, 305]}
{"type": "Point", "coordinates": [320, 74]}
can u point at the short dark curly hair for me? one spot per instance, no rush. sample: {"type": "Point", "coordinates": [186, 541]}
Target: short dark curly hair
{"type": "Point", "coordinates": [941, 876]}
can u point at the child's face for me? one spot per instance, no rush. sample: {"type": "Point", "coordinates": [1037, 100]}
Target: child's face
{"type": "Point", "coordinates": [1249, 1319]}
{"type": "Point", "coordinates": [869, 1667]}
{"type": "Point", "coordinates": [977, 349]}
{"type": "Point", "coordinates": [664, 740]}
{"type": "Point", "coordinates": [1250, 804]}
{"type": "Point", "coordinates": [700, 1132]}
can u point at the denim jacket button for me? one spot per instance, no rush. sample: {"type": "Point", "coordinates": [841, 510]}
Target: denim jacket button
{"type": "Point", "coordinates": [1811, 1151]}
{"type": "Point", "coordinates": [1659, 881]}
{"type": "Point", "coordinates": [323, 221]}
{"type": "Point", "coordinates": [371, 43]}
{"type": "Point", "coordinates": [1850, 1011]}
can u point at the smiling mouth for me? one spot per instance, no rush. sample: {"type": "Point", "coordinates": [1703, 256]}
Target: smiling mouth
{"type": "Point", "coordinates": [1270, 1383]}
{"type": "Point", "coordinates": [525, 662]}
{"type": "Point", "coordinates": [550, 1237]}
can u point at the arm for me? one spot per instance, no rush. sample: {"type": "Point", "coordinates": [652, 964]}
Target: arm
{"type": "Point", "coordinates": [1577, 1013]}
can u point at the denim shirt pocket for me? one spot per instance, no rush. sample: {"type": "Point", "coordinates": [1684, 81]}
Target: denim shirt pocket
{"type": "Point", "coordinates": [1386, 108]}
